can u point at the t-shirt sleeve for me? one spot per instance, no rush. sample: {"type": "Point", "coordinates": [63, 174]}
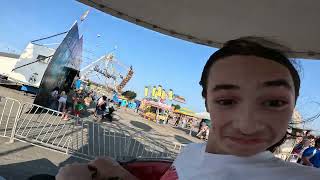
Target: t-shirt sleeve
{"type": "Point", "coordinates": [308, 152]}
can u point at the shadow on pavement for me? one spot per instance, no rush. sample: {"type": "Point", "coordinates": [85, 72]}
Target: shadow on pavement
{"type": "Point", "coordinates": [187, 131]}
{"type": "Point", "coordinates": [182, 140]}
{"type": "Point", "coordinates": [24, 170]}
{"type": "Point", "coordinates": [15, 150]}
{"type": "Point", "coordinates": [141, 125]}
{"type": "Point", "coordinates": [72, 160]}
{"type": "Point", "coordinates": [85, 114]}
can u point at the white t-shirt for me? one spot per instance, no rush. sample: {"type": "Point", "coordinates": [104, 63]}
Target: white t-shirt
{"type": "Point", "coordinates": [101, 101]}
{"type": "Point", "coordinates": [195, 163]}
{"type": "Point", "coordinates": [63, 99]}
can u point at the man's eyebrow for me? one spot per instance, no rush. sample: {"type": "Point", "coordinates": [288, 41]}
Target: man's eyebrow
{"type": "Point", "coordinates": [225, 87]}
{"type": "Point", "coordinates": [277, 83]}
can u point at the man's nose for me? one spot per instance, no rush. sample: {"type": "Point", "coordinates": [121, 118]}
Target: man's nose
{"type": "Point", "coordinates": [247, 121]}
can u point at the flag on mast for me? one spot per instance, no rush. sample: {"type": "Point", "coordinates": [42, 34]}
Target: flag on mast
{"type": "Point", "coordinates": [84, 15]}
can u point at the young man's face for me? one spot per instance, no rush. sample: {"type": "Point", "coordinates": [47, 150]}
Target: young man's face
{"type": "Point", "coordinates": [307, 143]}
{"type": "Point", "coordinates": [251, 101]}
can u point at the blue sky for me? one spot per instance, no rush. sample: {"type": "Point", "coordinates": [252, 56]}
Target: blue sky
{"type": "Point", "coordinates": [156, 58]}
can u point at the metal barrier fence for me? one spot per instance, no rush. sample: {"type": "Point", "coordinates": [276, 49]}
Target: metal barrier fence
{"type": "Point", "coordinates": [9, 109]}
{"type": "Point", "coordinates": [44, 127]}
{"type": "Point", "coordinates": [90, 140]}
{"type": "Point", "coordinates": [141, 146]}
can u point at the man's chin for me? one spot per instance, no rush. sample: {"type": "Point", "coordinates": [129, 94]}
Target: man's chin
{"type": "Point", "coordinates": [245, 150]}
{"type": "Point", "coordinates": [244, 153]}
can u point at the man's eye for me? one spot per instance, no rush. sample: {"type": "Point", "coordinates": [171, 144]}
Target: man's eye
{"type": "Point", "coordinates": [274, 103]}
{"type": "Point", "coordinates": [225, 102]}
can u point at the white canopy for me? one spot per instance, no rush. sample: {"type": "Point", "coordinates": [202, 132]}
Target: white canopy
{"type": "Point", "coordinates": [203, 115]}
{"type": "Point", "coordinates": [293, 23]}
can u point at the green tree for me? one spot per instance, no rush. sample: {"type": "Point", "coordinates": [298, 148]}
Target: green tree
{"type": "Point", "coordinates": [129, 94]}
{"type": "Point", "coordinates": [176, 106]}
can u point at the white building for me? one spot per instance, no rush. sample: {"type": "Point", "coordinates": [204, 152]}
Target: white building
{"type": "Point", "coordinates": [7, 62]}
{"type": "Point", "coordinates": [29, 67]}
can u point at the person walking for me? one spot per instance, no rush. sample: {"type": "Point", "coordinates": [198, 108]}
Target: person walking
{"type": "Point", "coordinates": [62, 101]}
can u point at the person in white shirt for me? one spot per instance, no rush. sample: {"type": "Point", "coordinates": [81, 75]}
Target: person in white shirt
{"type": "Point", "coordinates": [102, 105]}
{"type": "Point", "coordinates": [250, 89]}
{"type": "Point", "coordinates": [204, 129]}
{"type": "Point", "coordinates": [62, 101]}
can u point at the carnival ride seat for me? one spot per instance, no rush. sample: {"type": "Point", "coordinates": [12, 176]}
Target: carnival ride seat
{"type": "Point", "coordinates": [146, 169]}
{"type": "Point", "coordinates": [151, 169]}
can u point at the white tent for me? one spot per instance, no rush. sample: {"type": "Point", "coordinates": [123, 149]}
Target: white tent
{"type": "Point", "coordinates": [212, 22]}
{"type": "Point", "coordinates": [203, 115]}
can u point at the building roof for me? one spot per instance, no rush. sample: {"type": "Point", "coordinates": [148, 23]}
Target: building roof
{"type": "Point", "coordinates": [203, 115]}
{"type": "Point", "coordinates": [10, 55]}
{"type": "Point", "coordinates": [185, 111]}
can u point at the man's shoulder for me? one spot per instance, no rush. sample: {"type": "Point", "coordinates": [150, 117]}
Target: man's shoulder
{"type": "Point", "coordinates": [190, 150]}
{"type": "Point", "coordinates": [310, 149]}
{"type": "Point", "coordinates": [308, 152]}
{"type": "Point", "coordinates": [189, 157]}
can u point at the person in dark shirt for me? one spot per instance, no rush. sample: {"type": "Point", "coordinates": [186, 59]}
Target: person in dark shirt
{"type": "Point", "coordinates": [311, 156]}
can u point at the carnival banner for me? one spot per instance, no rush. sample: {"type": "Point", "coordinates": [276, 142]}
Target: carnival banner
{"type": "Point", "coordinates": [170, 94]}
{"type": "Point", "coordinates": [146, 91]}
{"type": "Point", "coordinates": [154, 91]}
{"type": "Point", "coordinates": [159, 91]}
{"type": "Point", "coordinates": [179, 98]}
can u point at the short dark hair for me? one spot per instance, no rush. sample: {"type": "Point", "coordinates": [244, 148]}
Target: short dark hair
{"type": "Point", "coordinates": [252, 46]}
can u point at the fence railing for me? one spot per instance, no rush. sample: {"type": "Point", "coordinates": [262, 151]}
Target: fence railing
{"type": "Point", "coordinates": [9, 109]}
{"type": "Point", "coordinates": [44, 127]}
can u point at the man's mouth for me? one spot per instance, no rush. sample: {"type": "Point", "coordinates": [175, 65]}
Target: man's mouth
{"type": "Point", "coordinates": [247, 141]}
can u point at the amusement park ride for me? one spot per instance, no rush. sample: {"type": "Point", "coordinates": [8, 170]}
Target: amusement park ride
{"type": "Point", "coordinates": [104, 70]}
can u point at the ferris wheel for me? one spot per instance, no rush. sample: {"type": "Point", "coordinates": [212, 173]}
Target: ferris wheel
{"type": "Point", "coordinates": [109, 72]}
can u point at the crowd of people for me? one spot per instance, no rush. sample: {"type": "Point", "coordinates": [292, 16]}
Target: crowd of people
{"type": "Point", "coordinates": [77, 102]}
{"type": "Point", "coordinates": [74, 101]}
{"type": "Point", "coordinates": [307, 151]}
{"type": "Point", "coordinates": [191, 123]}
